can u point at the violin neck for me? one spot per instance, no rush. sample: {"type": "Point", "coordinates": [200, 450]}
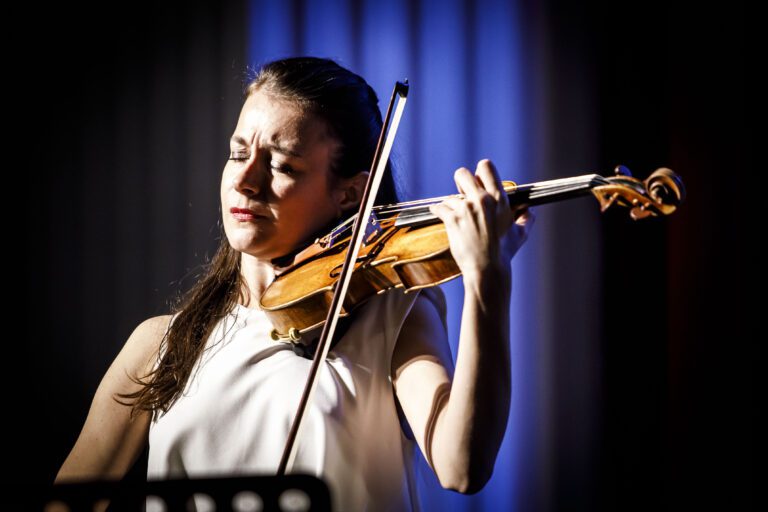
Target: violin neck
{"type": "Point", "coordinates": [531, 194]}
{"type": "Point", "coordinates": [551, 191]}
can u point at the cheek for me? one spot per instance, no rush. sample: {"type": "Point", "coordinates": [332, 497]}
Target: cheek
{"type": "Point", "coordinates": [289, 194]}
{"type": "Point", "coordinates": [225, 199]}
{"type": "Point", "coordinates": [227, 193]}
{"type": "Point", "coordinates": [226, 181]}
{"type": "Point", "coordinates": [283, 188]}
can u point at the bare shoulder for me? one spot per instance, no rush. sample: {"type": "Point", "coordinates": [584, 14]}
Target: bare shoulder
{"type": "Point", "coordinates": [136, 359]}
{"type": "Point", "coordinates": [112, 438]}
{"type": "Point", "coordinates": [141, 348]}
{"type": "Point", "coordinates": [150, 329]}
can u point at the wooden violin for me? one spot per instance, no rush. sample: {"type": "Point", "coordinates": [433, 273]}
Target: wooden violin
{"type": "Point", "coordinates": [406, 246]}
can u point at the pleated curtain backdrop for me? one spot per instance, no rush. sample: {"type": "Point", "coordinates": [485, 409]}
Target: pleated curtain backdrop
{"type": "Point", "coordinates": [476, 79]}
{"type": "Point", "coordinates": [630, 352]}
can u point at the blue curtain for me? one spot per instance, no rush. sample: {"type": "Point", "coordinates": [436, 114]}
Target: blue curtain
{"type": "Point", "coordinates": [467, 102]}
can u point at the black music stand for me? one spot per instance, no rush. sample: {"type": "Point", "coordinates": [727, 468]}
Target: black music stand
{"type": "Point", "coordinates": [231, 494]}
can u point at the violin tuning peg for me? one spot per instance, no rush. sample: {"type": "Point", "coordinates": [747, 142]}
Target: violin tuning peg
{"type": "Point", "coordinates": [622, 170]}
{"type": "Point", "coordinates": [607, 201]}
{"type": "Point", "coordinates": [641, 212]}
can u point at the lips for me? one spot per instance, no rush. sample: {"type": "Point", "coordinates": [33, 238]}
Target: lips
{"type": "Point", "coordinates": [245, 213]}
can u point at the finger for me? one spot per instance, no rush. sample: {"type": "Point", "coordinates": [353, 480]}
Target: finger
{"type": "Point", "coordinates": [455, 203]}
{"type": "Point", "coordinates": [450, 204]}
{"type": "Point", "coordinates": [489, 179]}
{"type": "Point", "coordinates": [465, 182]}
{"type": "Point", "coordinates": [519, 209]}
{"type": "Point", "coordinates": [443, 212]}
{"type": "Point", "coordinates": [524, 224]}
{"type": "Point", "coordinates": [524, 216]}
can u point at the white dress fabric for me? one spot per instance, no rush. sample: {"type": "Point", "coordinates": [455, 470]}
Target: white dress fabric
{"type": "Point", "coordinates": [236, 410]}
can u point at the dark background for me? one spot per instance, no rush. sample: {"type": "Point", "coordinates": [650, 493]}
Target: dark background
{"type": "Point", "coordinates": [102, 250]}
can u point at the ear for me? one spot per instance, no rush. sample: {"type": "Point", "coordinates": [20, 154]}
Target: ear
{"type": "Point", "coordinates": [349, 191]}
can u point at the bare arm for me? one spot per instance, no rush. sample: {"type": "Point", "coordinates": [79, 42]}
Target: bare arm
{"type": "Point", "coordinates": [110, 441]}
{"type": "Point", "coordinates": [459, 421]}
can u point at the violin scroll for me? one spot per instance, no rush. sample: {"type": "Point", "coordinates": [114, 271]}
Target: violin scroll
{"type": "Point", "coordinates": [660, 194]}
{"type": "Point", "coordinates": [665, 186]}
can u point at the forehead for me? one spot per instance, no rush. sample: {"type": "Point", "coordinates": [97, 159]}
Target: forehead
{"type": "Point", "coordinates": [269, 118]}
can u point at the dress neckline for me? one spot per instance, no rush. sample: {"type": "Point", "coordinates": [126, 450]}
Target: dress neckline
{"type": "Point", "coordinates": [239, 308]}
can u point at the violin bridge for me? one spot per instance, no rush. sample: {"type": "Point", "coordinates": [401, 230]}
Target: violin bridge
{"type": "Point", "coordinates": [372, 229]}
{"type": "Point", "coordinates": [372, 232]}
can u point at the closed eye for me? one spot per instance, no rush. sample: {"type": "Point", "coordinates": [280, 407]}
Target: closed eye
{"type": "Point", "coordinates": [282, 168]}
{"type": "Point", "coordinates": [239, 156]}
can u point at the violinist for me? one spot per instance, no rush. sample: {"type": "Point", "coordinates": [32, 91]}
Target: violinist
{"type": "Point", "coordinates": [214, 395]}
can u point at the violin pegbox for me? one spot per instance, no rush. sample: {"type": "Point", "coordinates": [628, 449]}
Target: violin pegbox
{"type": "Point", "coordinates": [660, 194]}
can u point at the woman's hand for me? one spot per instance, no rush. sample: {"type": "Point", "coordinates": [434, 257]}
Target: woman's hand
{"type": "Point", "coordinates": [484, 233]}
{"type": "Point", "coordinates": [460, 421]}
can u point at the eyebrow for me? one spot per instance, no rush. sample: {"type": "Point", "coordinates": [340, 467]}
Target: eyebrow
{"type": "Point", "coordinates": [285, 150]}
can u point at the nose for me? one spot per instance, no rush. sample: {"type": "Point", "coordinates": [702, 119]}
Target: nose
{"type": "Point", "coordinates": [249, 178]}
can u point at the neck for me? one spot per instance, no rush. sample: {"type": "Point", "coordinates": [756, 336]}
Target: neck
{"type": "Point", "coordinates": [257, 275]}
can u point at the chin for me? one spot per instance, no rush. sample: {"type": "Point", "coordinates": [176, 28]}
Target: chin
{"type": "Point", "coordinates": [253, 248]}
{"type": "Point", "coordinates": [241, 243]}
{"type": "Point", "coordinates": [244, 240]}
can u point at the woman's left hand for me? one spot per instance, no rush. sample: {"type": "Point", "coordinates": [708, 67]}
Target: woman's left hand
{"type": "Point", "coordinates": [484, 232]}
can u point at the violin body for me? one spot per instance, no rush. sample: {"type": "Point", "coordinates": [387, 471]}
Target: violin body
{"type": "Point", "coordinates": [410, 258]}
{"type": "Point", "coordinates": [405, 246]}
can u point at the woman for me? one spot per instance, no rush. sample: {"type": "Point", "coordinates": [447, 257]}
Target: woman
{"type": "Point", "coordinates": [215, 395]}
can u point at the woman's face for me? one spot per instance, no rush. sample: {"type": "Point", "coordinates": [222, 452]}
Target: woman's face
{"type": "Point", "coordinates": [279, 169]}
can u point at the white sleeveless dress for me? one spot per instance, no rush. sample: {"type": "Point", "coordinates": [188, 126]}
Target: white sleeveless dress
{"type": "Point", "coordinates": [235, 413]}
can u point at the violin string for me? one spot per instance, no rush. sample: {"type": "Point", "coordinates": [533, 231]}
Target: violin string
{"type": "Point", "coordinates": [414, 205]}
{"type": "Point", "coordinates": [417, 207]}
{"type": "Point", "coordinates": [420, 201]}
{"type": "Point", "coordinates": [541, 186]}
{"type": "Point", "coordinates": [388, 211]}
{"type": "Point", "coordinates": [384, 212]}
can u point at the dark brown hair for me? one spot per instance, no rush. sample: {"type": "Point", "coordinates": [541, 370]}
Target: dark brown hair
{"type": "Point", "coordinates": [349, 106]}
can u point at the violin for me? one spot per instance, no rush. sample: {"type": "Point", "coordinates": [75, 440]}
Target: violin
{"type": "Point", "coordinates": [406, 246]}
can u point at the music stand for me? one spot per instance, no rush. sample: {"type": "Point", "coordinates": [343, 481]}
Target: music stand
{"type": "Point", "coordinates": [227, 494]}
